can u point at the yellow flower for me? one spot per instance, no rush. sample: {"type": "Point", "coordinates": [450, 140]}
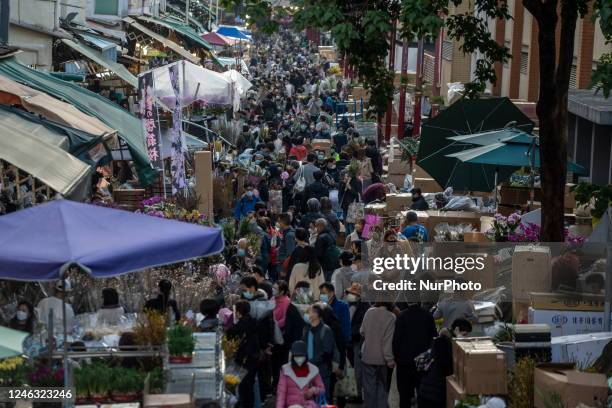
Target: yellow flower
{"type": "Point", "coordinates": [231, 379]}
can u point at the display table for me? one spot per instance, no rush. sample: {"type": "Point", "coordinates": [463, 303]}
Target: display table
{"type": "Point", "coordinates": [206, 366]}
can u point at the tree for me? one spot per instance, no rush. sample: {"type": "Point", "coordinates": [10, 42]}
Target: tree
{"type": "Point", "coordinates": [360, 30]}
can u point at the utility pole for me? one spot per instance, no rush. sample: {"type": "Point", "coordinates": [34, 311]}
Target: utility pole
{"type": "Point", "coordinates": [4, 20]}
{"type": "Point", "coordinates": [402, 97]}
{"type": "Point", "coordinates": [418, 91]}
{"type": "Point", "coordinates": [392, 69]}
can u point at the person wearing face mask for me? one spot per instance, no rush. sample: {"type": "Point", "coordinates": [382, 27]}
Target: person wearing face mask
{"type": "Point", "coordinates": [357, 310]}
{"type": "Point", "coordinates": [290, 322]}
{"type": "Point", "coordinates": [343, 276]}
{"type": "Point", "coordinates": [308, 270]}
{"type": "Point", "coordinates": [247, 354]}
{"type": "Point", "coordinates": [320, 343]}
{"type": "Point", "coordinates": [300, 382]}
{"type": "Point", "coordinates": [24, 318]}
{"type": "Point", "coordinates": [54, 303]}
{"type": "Point", "coordinates": [246, 203]}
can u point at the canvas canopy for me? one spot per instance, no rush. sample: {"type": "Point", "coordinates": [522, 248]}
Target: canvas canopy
{"type": "Point", "coordinates": [162, 40]}
{"type": "Point", "coordinates": [233, 32]}
{"type": "Point", "coordinates": [37, 155]}
{"type": "Point", "coordinates": [127, 125]}
{"type": "Point", "coordinates": [215, 39]}
{"type": "Point", "coordinates": [196, 84]}
{"type": "Point", "coordinates": [96, 56]}
{"type": "Point", "coordinates": [240, 85]}
{"type": "Point", "coordinates": [14, 93]}
{"type": "Point", "coordinates": [102, 241]}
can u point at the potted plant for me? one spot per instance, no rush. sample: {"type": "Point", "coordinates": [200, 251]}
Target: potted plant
{"type": "Point", "coordinates": [180, 344]}
{"type": "Point", "coordinates": [127, 384]}
{"type": "Point", "coordinates": [596, 198]}
{"type": "Point", "coordinates": [100, 383]}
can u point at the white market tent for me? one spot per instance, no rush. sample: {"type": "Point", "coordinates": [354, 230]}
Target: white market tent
{"type": "Point", "coordinates": [200, 84]}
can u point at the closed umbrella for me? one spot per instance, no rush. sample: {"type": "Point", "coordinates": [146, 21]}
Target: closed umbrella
{"type": "Point", "coordinates": [464, 118]}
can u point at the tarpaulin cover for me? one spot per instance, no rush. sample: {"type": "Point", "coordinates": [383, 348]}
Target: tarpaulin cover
{"type": "Point", "coordinates": [127, 125]}
{"type": "Point", "coordinates": [11, 342]}
{"type": "Point", "coordinates": [240, 86]}
{"type": "Point", "coordinates": [96, 56]}
{"type": "Point", "coordinates": [196, 84]}
{"type": "Point", "coordinates": [74, 141]}
{"type": "Point", "coordinates": [47, 162]}
{"type": "Point", "coordinates": [14, 93]}
{"type": "Point", "coordinates": [233, 32]}
{"type": "Point", "coordinates": [215, 39]}
{"type": "Point", "coordinates": [162, 40]}
{"type": "Point", "coordinates": [42, 242]}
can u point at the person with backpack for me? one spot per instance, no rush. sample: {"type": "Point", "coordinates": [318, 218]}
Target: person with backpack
{"type": "Point", "coordinates": [320, 343]}
{"type": "Point", "coordinates": [325, 249]}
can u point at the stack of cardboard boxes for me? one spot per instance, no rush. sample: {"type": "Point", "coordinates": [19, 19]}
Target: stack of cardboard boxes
{"type": "Point", "coordinates": [531, 272]}
{"type": "Point", "coordinates": [479, 368]}
{"type": "Point", "coordinates": [571, 387]}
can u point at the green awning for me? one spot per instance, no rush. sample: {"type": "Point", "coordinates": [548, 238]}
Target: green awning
{"type": "Point", "coordinates": [127, 125]}
{"type": "Point", "coordinates": [39, 154]}
{"type": "Point", "coordinates": [97, 57]}
{"type": "Point", "coordinates": [68, 77]}
{"type": "Point", "coordinates": [180, 28]}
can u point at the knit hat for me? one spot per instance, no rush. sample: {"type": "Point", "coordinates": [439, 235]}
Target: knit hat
{"type": "Point", "coordinates": [298, 349]}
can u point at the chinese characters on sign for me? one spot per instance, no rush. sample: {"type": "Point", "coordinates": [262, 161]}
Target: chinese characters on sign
{"type": "Point", "coordinates": [177, 138]}
{"type": "Point", "coordinates": [148, 117]}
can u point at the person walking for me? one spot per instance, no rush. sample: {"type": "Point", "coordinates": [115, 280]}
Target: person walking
{"type": "Point", "coordinates": [300, 382]}
{"type": "Point", "coordinates": [415, 329]}
{"type": "Point", "coordinates": [377, 354]}
{"type": "Point", "coordinates": [320, 343]}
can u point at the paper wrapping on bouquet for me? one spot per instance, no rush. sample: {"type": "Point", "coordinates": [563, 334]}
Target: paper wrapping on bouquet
{"type": "Point", "coordinates": [354, 212]}
{"type": "Point", "coordinates": [573, 387]}
{"type": "Point", "coordinates": [275, 203]}
{"type": "Point", "coordinates": [479, 366]}
{"type": "Point", "coordinates": [149, 120]}
{"type": "Point", "coordinates": [371, 221]}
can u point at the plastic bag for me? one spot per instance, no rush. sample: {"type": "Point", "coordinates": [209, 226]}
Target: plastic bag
{"type": "Point", "coordinates": [461, 203]}
{"type": "Point", "coordinates": [455, 92]}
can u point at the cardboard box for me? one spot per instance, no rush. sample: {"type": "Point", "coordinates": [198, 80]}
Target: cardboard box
{"type": "Point", "coordinates": [398, 202]}
{"type": "Point", "coordinates": [322, 144]}
{"type": "Point", "coordinates": [574, 387]}
{"type": "Point", "coordinates": [427, 185]}
{"type": "Point", "coordinates": [418, 172]}
{"type": "Point", "coordinates": [561, 301]}
{"type": "Point", "coordinates": [378, 209]}
{"type": "Point", "coordinates": [454, 391]}
{"type": "Point", "coordinates": [531, 271]}
{"type": "Point", "coordinates": [453, 217]}
{"type": "Point", "coordinates": [204, 182]}
{"type": "Point", "coordinates": [475, 237]}
{"type": "Point", "coordinates": [582, 349]}
{"type": "Point", "coordinates": [396, 179]}
{"type": "Point", "coordinates": [479, 366]}
{"type": "Point", "coordinates": [397, 166]}
{"type": "Point", "coordinates": [564, 322]}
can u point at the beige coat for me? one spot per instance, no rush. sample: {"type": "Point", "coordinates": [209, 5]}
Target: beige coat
{"type": "Point", "coordinates": [300, 273]}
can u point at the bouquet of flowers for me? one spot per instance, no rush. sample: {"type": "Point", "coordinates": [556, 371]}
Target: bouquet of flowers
{"type": "Point", "coordinates": [505, 226]}
{"type": "Point", "coordinates": [159, 207]}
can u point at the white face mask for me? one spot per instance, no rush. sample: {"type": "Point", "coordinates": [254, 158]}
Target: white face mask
{"type": "Point", "coordinates": [21, 315]}
{"type": "Point", "coordinates": [299, 360]}
{"type": "Point", "coordinates": [351, 297]}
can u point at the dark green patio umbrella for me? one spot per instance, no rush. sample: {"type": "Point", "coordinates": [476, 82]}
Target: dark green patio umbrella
{"type": "Point", "coordinates": [467, 117]}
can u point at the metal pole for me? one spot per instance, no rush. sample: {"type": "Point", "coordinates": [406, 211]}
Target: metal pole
{"type": "Point", "coordinates": [392, 69]}
{"type": "Point", "coordinates": [5, 11]}
{"type": "Point", "coordinates": [437, 64]}
{"type": "Point", "coordinates": [65, 345]}
{"type": "Point", "coordinates": [608, 292]}
{"type": "Point", "coordinates": [418, 92]}
{"type": "Point", "coordinates": [187, 12]}
{"type": "Point", "coordinates": [402, 99]}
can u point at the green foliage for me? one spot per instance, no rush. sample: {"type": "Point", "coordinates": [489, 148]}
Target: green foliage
{"type": "Point", "coordinates": [468, 402]}
{"type": "Point", "coordinates": [602, 77]}
{"type": "Point", "coordinates": [180, 340]}
{"type": "Point", "coordinates": [520, 387]}
{"type": "Point", "coordinates": [99, 378]}
{"type": "Point", "coordinates": [599, 197]}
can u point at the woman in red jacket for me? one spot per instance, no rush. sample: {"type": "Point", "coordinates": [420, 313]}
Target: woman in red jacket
{"type": "Point", "coordinates": [300, 383]}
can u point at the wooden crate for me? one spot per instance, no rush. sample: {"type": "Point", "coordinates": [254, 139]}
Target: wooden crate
{"type": "Point", "coordinates": [128, 199]}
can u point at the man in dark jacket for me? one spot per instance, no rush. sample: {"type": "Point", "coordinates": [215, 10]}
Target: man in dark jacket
{"type": "Point", "coordinates": [287, 241]}
{"type": "Point", "coordinates": [414, 332]}
{"type": "Point", "coordinates": [314, 213]}
{"type": "Point", "coordinates": [317, 189]}
{"type": "Point", "coordinates": [247, 355]}
{"type": "Point", "coordinates": [373, 153]}
{"type": "Point", "coordinates": [324, 247]}
{"type": "Point", "coordinates": [418, 201]}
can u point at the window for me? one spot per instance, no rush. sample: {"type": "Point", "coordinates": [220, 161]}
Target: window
{"type": "Point", "coordinates": [447, 50]}
{"type": "Point", "coordinates": [524, 62]}
{"type": "Point", "coordinates": [107, 7]}
{"type": "Point", "coordinates": [573, 80]}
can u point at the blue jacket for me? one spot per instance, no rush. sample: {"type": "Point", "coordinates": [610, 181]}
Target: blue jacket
{"type": "Point", "coordinates": [341, 310]}
{"type": "Point", "coordinates": [244, 206]}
